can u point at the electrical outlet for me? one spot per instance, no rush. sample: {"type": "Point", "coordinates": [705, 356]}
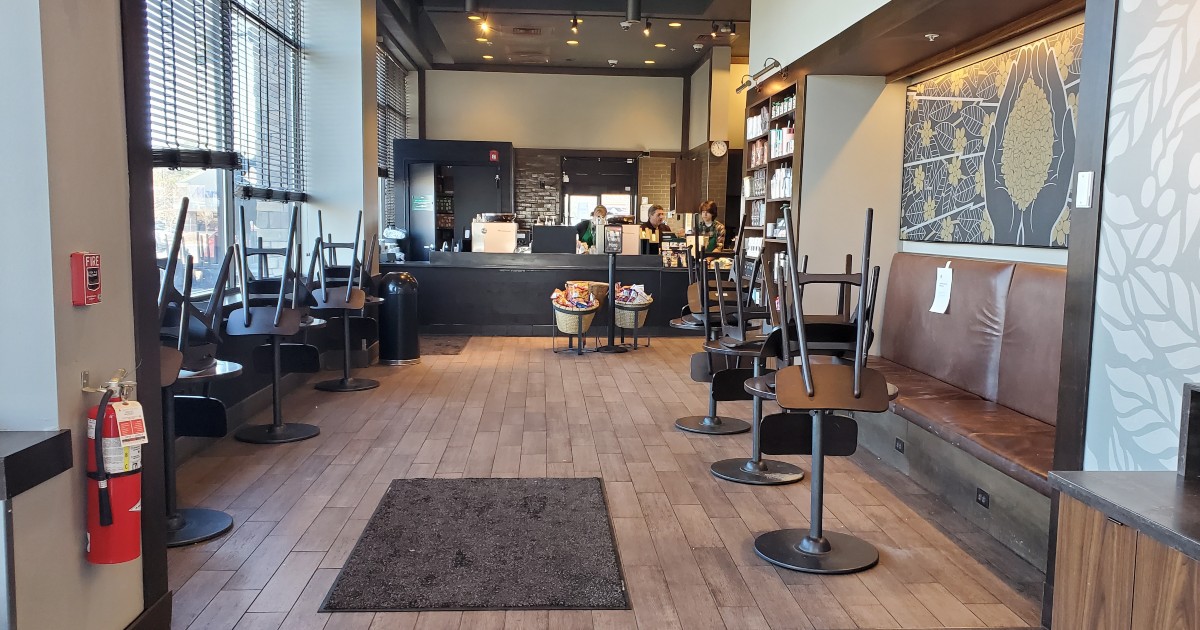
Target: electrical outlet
{"type": "Point", "coordinates": [899, 445]}
{"type": "Point", "coordinates": [983, 498]}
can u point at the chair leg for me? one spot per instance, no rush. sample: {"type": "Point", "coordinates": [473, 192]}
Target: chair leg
{"type": "Point", "coordinates": [815, 550]}
{"type": "Point", "coordinates": [756, 470]}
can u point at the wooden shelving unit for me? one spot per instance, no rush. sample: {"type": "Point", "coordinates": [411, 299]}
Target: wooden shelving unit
{"type": "Point", "coordinates": [774, 123]}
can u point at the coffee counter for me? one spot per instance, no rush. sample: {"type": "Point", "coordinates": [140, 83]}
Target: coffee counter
{"type": "Point", "coordinates": [468, 293]}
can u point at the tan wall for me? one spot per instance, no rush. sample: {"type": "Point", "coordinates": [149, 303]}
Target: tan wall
{"type": "Point", "coordinates": [555, 110]}
{"type": "Point", "coordinates": [737, 106]}
{"type": "Point", "coordinates": [853, 136]}
{"type": "Point", "coordinates": [74, 197]}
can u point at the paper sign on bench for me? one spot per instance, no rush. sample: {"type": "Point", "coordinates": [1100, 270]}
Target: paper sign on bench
{"type": "Point", "coordinates": [941, 293]}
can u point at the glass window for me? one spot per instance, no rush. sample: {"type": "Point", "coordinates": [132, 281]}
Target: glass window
{"type": "Point", "coordinates": [204, 232]}
{"type": "Point", "coordinates": [618, 204]}
{"type": "Point", "coordinates": [580, 207]}
{"type": "Point", "coordinates": [267, 226]}
{"type": "Point", "coordinates": [392, 111]}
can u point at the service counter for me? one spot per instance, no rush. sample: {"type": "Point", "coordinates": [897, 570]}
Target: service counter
{"type": "Point", "coordinates": [465, 293]}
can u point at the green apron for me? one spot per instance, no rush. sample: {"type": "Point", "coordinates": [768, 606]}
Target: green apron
{"type": "Point", "coordinates": [711, 230]}
{"type": "Point", "coordinates": [589, 235]}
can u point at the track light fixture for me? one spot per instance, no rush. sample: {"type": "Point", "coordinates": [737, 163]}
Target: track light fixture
{"type": "Point", "coordinates": [633, 11]}
{"type": "Point", "coordinates": [747, 83]}
{"type": "Point", "coordinates": [646, 31]}
{"type": "Point", "coordinates": [575, 25]}
{"type": "Point", "coordinates": [714, 30]}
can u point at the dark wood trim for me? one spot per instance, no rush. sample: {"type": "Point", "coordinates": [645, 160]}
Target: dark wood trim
{"type": "Point", "coordinates": [144, 280]}
{"type": "Point", "coordinates": [614, 72]}
{"type": "Point", "coordinates": [575, 153]}
{"type": "Point", "coordinates": [421, 105]}
{"type": "Point", "coordinates": [1033, 21]}
{"type": "Point", "coordinates": [1091, 135]}
{"type": "Point", "coordinates": [156, 616]}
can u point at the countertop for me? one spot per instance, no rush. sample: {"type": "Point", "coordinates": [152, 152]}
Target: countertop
{"type": "Point", "coordinates": [27, 458]}
{"type": "Point", "coordinates": [534, 261]}
{"type": "Point", "coordinates": [1163, 505]}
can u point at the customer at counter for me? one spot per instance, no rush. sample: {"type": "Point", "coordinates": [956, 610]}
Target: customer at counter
{"type": "Point", "coordinates": [710, 230]}
{"type": "Point", "coordinates": [588, 229]}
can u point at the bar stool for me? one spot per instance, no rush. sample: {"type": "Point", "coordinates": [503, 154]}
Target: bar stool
{"type": "Point", "coordinates": [277, 322]}
{"type": "Point", "coordinates": [351, 298]}
{"type": "Point", "coordinates": [821, 390]}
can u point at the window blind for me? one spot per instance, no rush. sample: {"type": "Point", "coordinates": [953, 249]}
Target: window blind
{"type": "Point", "coordinates": [226, 91]}
{"type": "Point", "coordinates": [392, 111]}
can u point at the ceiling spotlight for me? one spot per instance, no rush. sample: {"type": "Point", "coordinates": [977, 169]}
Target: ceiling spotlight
{"type": "Point", "coordinates": [574, 25]}
{"type": "Point", "coordinates": [483, 25]}
{"type": "Point", "coordinates": [646, 31]}
{"type": "Point", "coordinates": [572, 42]}
{"type": "Point", "coordinates": [714, 30]}
{"type": "Point", "coordinates": [732, 27]}
{"type": "Point", "coordinates": [674, 24]}
{"type": "Point", "coordinates": [660, 45]}
{"type": "Point", "coordinates": [488, 57]}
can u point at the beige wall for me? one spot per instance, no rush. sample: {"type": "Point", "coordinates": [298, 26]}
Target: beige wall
{"type": "Point", "coordinates": [699, 102]}
{"type": "Point", "coordinates": [555, 110]}
{"type": "Point", "coordinates": [737, 106]}
{"type": "Point", "coordinates": [60, 53]}
{"type": "Point", "coordinates": [787, 29]}
{"type": "Point", "coordinates": [853, 136]}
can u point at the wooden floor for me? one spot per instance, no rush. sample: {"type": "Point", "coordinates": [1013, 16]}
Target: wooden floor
{"type": "Point", "coordinates": [508, 407]}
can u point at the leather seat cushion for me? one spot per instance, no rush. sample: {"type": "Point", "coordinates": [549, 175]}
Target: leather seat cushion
{"type": "Point", "coordinates": [1018, 445]}
{"type": "Point", "coordinates": [1030, 352]}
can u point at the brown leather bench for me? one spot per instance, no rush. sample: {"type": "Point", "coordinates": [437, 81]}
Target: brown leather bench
{"type": "Point", "coordinates": [983, 376]}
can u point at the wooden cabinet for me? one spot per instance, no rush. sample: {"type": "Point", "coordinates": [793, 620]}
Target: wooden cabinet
{"type": "Point", "coordinates": [1166, 593]}
{"type": "Point", "coordinates": [1093, 573]}
{"type": "Point", "coordinates": [1109, 576]}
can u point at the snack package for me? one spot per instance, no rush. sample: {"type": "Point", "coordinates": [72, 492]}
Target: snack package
{"type": "Point", "coordinates": [632, 294]}
{"type": "Point", "coordinates": [576, 295]}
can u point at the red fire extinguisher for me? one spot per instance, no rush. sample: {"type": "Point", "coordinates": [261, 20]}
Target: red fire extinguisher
{"type": "Point", "coordinates": [114, 488]}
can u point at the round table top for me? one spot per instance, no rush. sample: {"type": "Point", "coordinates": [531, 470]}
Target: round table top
{"type": "Point", "coordinates": [764, 387]}
{"type": "Point", "coordinates": [220, 371]}
{"type": "Point", "coordinates": [312, 323]}
{"type": "Point", "coordinates": [715, 347]}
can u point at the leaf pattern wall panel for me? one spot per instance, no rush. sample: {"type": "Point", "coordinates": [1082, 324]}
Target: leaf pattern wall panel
{"type": "Point", "coordinates": [989, 148]}
{"type": "Point", "coordinates": [1146, 340]}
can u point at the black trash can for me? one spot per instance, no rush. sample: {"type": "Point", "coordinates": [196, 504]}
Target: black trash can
{"type": "Point", "coordinates": [399, 343]}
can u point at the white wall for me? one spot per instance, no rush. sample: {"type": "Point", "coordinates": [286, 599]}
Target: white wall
{"type": "Point", "coordinates": [787, 29]}
{"type": "Point", "coordinates": [341, 103]}
{"type": "Point", "coordinates": [699, 100]}
{"type": "Point", "coordinates": [555, 110]}
{"type": "Point", "coordinates": [853, 136]}
{"type": "Point", "coordinates": [719, 101]}
{"type": "Point", "coordinates": [71, 194]}
{"type": "Point", "coordinates": [1146, 342]}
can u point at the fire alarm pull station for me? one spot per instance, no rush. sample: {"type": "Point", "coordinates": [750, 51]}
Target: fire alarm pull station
{"type": "Point", "coordinates": [85, 278]}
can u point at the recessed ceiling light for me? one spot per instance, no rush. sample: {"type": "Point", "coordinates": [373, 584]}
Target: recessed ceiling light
{"type": "Point", "coordinates": [660, 45]}
{"type": "Point", "coordinates": [487, 57]}
{"type": "Point", "coordinates": [674, 24]}
{"type": "Point", "coordinates": [650, 61]}
{"type": "Point", "coordinates": [481, 39]}
{"type": "Point", "coordinates": [475, 17]}
{"type": "Point", "coordinates": [572, 42]}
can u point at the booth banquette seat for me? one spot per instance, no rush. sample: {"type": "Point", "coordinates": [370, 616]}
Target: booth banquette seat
{"type": "Point", "coordinates": [984, 375]}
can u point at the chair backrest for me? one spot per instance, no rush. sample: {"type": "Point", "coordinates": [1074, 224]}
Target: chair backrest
{"type": "Point", "coordinates": [324, 248]}
{"type": "Point", "coordinates": [288, 253]}
{"type": "Point", "coordinates": [169, 294]}
{"type": "Point", "coordinates": [862, 280]}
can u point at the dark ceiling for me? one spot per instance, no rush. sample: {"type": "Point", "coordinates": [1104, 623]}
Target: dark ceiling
{"type": "Point", "coordinates": [533, 33]}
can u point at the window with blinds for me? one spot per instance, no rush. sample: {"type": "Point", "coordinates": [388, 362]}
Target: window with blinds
{"type": "Point", "coordinates": [392, 111]}
{"type": "Point", "coordinates": [226, 92]}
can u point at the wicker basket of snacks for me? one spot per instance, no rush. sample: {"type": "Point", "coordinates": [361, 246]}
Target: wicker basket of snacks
{"type": "Point", "coordinates": [574, 308]}
{"type": "Point", "coordinates": [632, 305]}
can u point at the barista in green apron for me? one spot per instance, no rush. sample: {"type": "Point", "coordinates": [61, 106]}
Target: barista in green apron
{"type": "Point", "coordinates": [711, 228]}
{"type": "Point", "coordinates": [588, 230]}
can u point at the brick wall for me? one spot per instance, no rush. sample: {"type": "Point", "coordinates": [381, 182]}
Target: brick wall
{"type": "Point", "coordinates": [654, 180]}
{"type": "Point", "coordinates": [538, 186]}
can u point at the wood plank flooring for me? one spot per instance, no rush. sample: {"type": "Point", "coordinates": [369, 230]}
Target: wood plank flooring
{"type": "Point", "coordinates": [508, 407]}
